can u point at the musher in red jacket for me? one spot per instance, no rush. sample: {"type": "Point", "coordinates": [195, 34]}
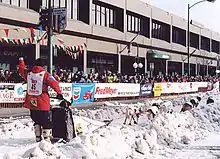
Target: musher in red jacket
{"type": "Point", "coordinates": [37, 98]}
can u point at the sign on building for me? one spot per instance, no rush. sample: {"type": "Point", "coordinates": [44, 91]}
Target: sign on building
{"type": "Point", "coordinates": [59, 19]}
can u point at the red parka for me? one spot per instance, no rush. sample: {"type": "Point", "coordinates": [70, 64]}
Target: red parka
{"type": "Point", "coordinates": [42, 101]}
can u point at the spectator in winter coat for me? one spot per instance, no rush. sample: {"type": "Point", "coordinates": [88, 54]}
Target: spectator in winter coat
{"type": "Point", "coordinates": [37, 98]}
{"type": "Point", "coordinates": [56, 76]}
{"type": "Point", "coordinates": [15, 77]}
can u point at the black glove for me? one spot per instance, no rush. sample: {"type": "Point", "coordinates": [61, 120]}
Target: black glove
{"type": "Point", "coordinates": [59, 96]}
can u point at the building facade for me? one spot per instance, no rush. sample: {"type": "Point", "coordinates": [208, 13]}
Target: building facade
{"type": "Point", "coordinates": [107, 27]}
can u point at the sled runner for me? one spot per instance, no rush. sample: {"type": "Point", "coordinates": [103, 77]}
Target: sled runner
{"type": "Point", "coordinates": [63, 125]}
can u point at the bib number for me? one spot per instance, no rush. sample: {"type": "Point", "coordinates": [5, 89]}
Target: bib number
{"type": "Point", "coordinates": [33, 86]}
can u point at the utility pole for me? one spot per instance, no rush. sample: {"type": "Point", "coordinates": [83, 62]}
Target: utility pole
{"type": "Point", "coordinates": [138, 60]}
{"type": "Point", "coordinates": [188, 29]}
{"type": "Point", "coordinates": [49, 34]}
{"type": "Point", "coordinates": [188, 40]}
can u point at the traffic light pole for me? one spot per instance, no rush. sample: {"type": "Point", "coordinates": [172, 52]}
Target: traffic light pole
{"type": "Point", "coordinates": [49, 34]}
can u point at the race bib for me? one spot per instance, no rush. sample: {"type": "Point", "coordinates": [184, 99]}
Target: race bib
{"type": "Point", "coordinates": [35, 83]}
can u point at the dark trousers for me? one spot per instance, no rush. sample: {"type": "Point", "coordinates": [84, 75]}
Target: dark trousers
{"type": "Point", "coordinates": [42, 118]}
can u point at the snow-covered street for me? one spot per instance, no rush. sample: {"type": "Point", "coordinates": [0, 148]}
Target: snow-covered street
{"type": "Point", "coordinates": [204, 149]}
{"type": "Point", "coordinates": [189, 135]}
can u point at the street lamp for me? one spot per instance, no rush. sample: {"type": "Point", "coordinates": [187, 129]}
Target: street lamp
{"type": "Point", "coordinates": [137, 65]}
{"type": "Point", "coordinates": [188, 32]}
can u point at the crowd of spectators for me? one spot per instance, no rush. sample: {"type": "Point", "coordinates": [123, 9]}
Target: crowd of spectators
{"type": "Point", "coordinates": [107, 77]}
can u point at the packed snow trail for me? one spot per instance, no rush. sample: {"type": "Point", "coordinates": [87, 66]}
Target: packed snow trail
{"type": "Point", "coordinates": [168, 136]}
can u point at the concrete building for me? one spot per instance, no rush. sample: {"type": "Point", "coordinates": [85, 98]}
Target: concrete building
{"type": "Point", "coordinates": [107, 28]}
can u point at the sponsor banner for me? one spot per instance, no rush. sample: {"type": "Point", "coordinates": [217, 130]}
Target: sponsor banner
{"type": "Point", "coordinates": [167, 88]}
{"type": "Point", "coordinates": [66, 89]}
{"type": "Point", "coordinates": [14, 92]}
{"type": "Point", "coordinates": [146, 89]}
{"type": "Point", "coordinates": [158, 88]}
{"type": "Point", "coordinates": [83, 93]}
{"type": "Point", "coordinates": [108, 90]}
{"type": "Point", "coordinates": [20, 93]}
{"type": "Point", "coordinates": [184, 87]}
{"type": "Point", "coordinates": [202, 84]}
{"type": "Point", "coordinates": [7, 93]}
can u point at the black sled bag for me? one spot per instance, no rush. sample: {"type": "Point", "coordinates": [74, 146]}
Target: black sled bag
{"type": "Point", "coordinates": [63, 124]}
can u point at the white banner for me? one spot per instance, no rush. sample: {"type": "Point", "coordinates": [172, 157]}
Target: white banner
{"type": "Point", "coordinates": [202, 84]}
{"type": "Point", "coordinates": [7, 93]}
{"type": "Point", "coordinates": [108, 90]}
{"type": "Point", "coordinates": [66, 89]}
{"type": "Point", "coordinates": [184, 87]}
{"type": "Point", "coordinates": [15, 92]}
{"type": "Point", "coordinates": [167, 88]}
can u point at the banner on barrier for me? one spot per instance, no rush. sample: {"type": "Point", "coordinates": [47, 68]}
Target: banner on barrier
{"type": "Point", "coordinates": [83, 93]}
{"type": "Point", "coordinates": [19, 93]}
{"type": "Point", "coordinates": [7, 93]}
{"type": "Point", "coordinates": [146, 89]}
{"type": "Point", "coordinates": [167, 88]}
{"type": "Point", "coordinates": [108, 90]}
{"type": "Point", "coordinates": [157, 89]}
{"type": "Point", "coordinates": [66, 89]}
{"type": "Point", "coordinates": [202, 84]}
{"type": "Point", "coordinates": [184, 87]}
{"type": "Point", "coordinates": [14, 92]}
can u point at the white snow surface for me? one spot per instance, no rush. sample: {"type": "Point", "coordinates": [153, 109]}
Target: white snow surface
{"type": "Point", "coordinates": [193, 134]}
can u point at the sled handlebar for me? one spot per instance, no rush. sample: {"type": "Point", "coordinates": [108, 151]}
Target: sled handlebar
{"type": "Point", "coordinates": [66, 101]}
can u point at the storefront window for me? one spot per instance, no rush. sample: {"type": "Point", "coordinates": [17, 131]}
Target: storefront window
{"type": "Point", "coordinates": [102, 62]}
{"type": "Point", "coordinates": [9, 55]}
{"type": "Point", "coordinates": [18, 3]}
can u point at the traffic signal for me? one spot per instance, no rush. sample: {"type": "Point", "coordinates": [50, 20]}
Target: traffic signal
{"type": "Point", "coordinates": [44, 18]}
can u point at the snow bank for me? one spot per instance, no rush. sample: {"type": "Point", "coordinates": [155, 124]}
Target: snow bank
{"type": "Point", "coordinates": [156, 138]}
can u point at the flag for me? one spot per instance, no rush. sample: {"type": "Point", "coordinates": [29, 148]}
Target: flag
{"type": "Point", "coordinates": [16, 41]}
{"type": "Point", "coordinates": [21, 41]}
{"type": "Point", "coordinates": [58, 46]}
{"type": "Point", "coordinates": [24, 30]}
{"type": "Point", "coordinates": [41, 29]}
{"type": "Point", "coordinates": [16, 29]}
{"type": "Point", "coordinates": [5, 39]}
{"type": "Point", "coordinates": [62, 46]}
{"type": "Point", "coordinates": [79, 49]}
{"type": "Point", "coordinates": [12, 41]}
{"type": "Point", "coordinates": [35, 39]}
{"type": "Point", "coordinates": [32, 32]}
{"type": "Point", "coordinates": [60, 40]}
{"type": "Point", "coordinates": [85, 45]}
{"type": "Point", "coordinates": [6, 32]}
{"type": "Point", "coordinates": [30, 40]}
